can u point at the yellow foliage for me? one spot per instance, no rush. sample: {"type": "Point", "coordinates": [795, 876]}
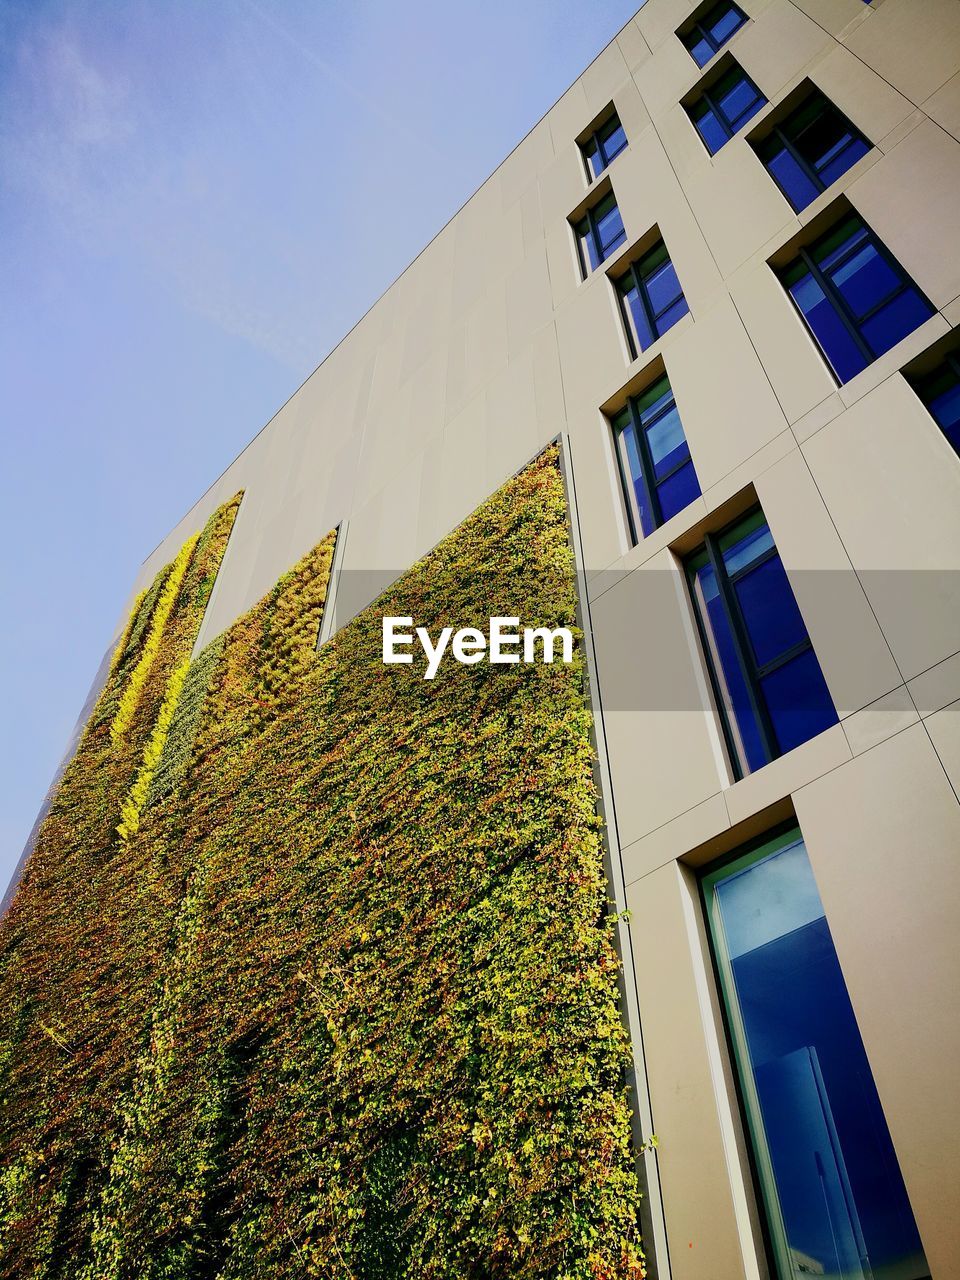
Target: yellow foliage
{"type": "Point", "coordinates": [168, 598]}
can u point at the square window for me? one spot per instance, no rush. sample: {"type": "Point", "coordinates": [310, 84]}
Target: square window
{"type": "Point", "coordinates": [603, 145]}
{"type": "Point", "coordinates": [656, 469]}
{"type": "Point", "coordinates": [765, 674]}
{"type": "Point", "coordinates": [599, 233]}
{"type": "Point", "coordinates": [724, 108]}
{"type": "Point", "coordinates": [855, 298]}
{"type": "Point", "coordinates": [651, 298]}
{"type": "Point", "coordinates": [711, 31]}
{"type": "Point", "coordinates": [810, 148]}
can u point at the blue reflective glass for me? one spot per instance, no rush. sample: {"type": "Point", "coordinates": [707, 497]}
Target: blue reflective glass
{"type": "Point", "coordinates": [594, 160]}
{"type": "Point", "coordinates": [791, 179]}
{"type": "Point", "coordinates": [672, 315]}
{"type": "Point", "coordinates": [713, 133]}
{"type": "Point", "coordinates": [837, 1203]}
{"type": "Point", "coordinates": [798, 700]}
{"type": "Point", "coordinates": [739, 102]}
{"type": "Point", "coordinates": [588, 248]}
{"type": "Point", "coordinates": [840, 158]}
{"type": "Point", "coordinates": [678, 491]}
{"type": "Point", "coordinates": [837, 344]}
{"type": "Point", "coordinates": [732, 687]}
{"type": "Point", "coordinates": [614, 142]}
{"type": "Point", "coordinates": [667, 443]}
{"type": "Point", "coordinates": [701, 50]}
{"type": "Point", "coordinates": [663, 287]}
{"type": "Point", "coordinates": [630, 454]}
{"type": "Point", "coordinates": [722, 22]}
{"type": "Point", "coordinates": [746, 549]}
{"type": "Point", "coordinates": [904, 313]}
{"type": "Point", "coordinates": [769, 608]}
{"type": "Point", "coordinates": [642, 333]}
{"type": "Point", "coordinates": [865, 279]}
{"type": "Point", "coordinates": [610, 229]}
{"type": "Point", "coordinates": [945, 409]}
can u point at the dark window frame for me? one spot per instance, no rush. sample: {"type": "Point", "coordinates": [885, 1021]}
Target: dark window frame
{"type": "Point", "coordinates": [651, 480]}
{"type": "Point", "coordinates": [631, 279]}
{"type": "Point", "coordinates": [787, 142]}
{"type": "Point", "coordinates": [751, 671]}
{"type": "Point", "coordinates": [686, 34]}
{"type": "Point", "coordinates": [589, 216]}
{"type": "Point", "coordinates": [805, 257]}
{"type": "Point", "coordinates": [729, 127]}
{"type": "Point", "coordinates": [596, 139]}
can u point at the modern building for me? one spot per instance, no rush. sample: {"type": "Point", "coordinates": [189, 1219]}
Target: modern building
{"type": "Point", "coordinates": [724, 269]}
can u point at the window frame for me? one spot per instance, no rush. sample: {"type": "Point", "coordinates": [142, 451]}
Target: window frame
{"type": "Point", "coordinates": [810, 173]}
{"type": "Point", "coordinates": [710, 552]}
{"type": "Point", "coordinates": [686, 33]}
{"type": "Point", "coordinates": [596, 139]}
{"type": "Point", "coordinates": [589, 216]}
{"type": "Point", "coordinates": [631, 279]}
{"type": "Point", "coordinates": [804, 256]}
{"type": "Point", "coordinates": [651, 481]}
{"type": "Point", "coordinates": [706, 95]}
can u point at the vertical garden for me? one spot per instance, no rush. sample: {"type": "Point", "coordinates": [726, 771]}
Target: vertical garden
{"type": "Point", "coordinates": [312, 972]}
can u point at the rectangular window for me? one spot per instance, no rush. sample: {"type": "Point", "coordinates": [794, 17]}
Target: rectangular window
{"type": "Point", "coordinates": [651, 299]}
{"type": "Point", "coordinates": [766, 676]}
{"type": "Point", "coordinates": [810, 149]}
{"type": "Point", "coordinates": [712, 31]}
{"type": "Point", "coordinates": [603, 145]}
{"type": "Point", "coordinates": [724, 108]}
{"type": "Point", "coordinates": [655, 466]}
{"type": "Point", "coordinates": [834, 1197]}
{"type": "Point", "coordinates": [855, 298]}
{"type": "Point", "coordinates": [940, 392]}
{"type": "Point", "coordinates": [599, 232]}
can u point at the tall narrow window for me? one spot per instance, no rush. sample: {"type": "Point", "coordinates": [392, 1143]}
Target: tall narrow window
{"type": "Point", "coordinates": [599, 232]}
{"type": "Point", "coordinates": [940, 392]}
{"type": "Point", "coordinates": [834, 1197]}
{"type": "Point", "coordinates": [712, 30]}
{"type": "Point", "coordinates": [650, 298]}
{"type": "Point", "coordinates": [766, 676]}
{"type": "Point", "coordinates": [856, 299]}
{"type": "Point", "coordinates": [603, 145]}
{"type": "Point", "coordinates": [724, 108]}
{"type": "Point", "coordinates": [655, 465]}
{"type": "Point", "coordinates": [810, 148]}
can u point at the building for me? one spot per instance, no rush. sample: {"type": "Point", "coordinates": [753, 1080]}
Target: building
{"type": "Point", "coordinates": [724, 270]}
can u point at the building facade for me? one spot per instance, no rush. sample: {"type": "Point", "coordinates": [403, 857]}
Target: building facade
{"type": "Point", "coordinates": [724, 270]}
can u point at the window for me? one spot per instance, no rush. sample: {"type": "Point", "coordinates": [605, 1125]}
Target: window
{"type": "Point", "coordinates": [724, 108]}
{"type": "Point", "coordinates": [940, 392]}
{"type": "Point", "coordinates": [766, 677]}
{"type": "Point", "coordinates": [651, 299]}
{"type": "Point", "coordinates": [603, 145]}
{"type": "Point", "coordinates": [857, 301]}
{"type": "Point", "coordinates": [598, 233]}
{"type": "Point", "coordinates": [655, 466]}
{"type": "Point", "coordinates": [810, 149]}
{"type": "Point", "coordinates": [712, 31]}
{"type": "Point", "coordinates": [830, 1182]}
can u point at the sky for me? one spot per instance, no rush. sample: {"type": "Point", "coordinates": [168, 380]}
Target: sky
{"type": "Point", "coordinates": [198, 199]}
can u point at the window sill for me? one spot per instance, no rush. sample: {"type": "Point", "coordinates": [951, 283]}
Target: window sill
{"type": "Point", "coordinates": [782, 777]}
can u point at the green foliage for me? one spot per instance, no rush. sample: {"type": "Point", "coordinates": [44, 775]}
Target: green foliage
{"type": "Point", "coordinates": [370, 1023]}
{"type": "Point", "coordinates": [186, 719]}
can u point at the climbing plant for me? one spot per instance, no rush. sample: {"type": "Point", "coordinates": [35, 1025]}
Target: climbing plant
{"type": "Point", "coordinates": [373, 1024]}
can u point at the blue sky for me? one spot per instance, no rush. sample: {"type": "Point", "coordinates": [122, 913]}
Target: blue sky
{"type": "Point", "coordinates": [197, 200]}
